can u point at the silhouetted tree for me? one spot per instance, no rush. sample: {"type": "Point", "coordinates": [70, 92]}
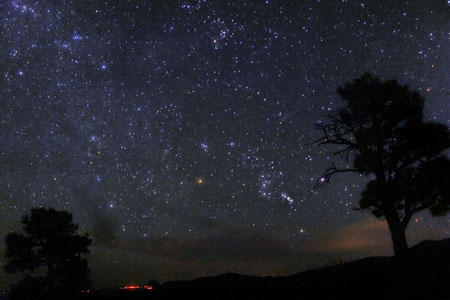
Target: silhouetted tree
{"type": "Point", "coordinates": [49, 255]}
{"type": "Point", "coordinates": [381, 130]}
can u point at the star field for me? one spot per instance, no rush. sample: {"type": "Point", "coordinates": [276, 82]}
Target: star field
{"type": "Point", "coordinates": [171, 127]}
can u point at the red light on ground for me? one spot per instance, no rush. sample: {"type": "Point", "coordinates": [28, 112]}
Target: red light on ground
{"type": "Point", "coordinates": [148, 287]}
{"type": "Point", "coordinates": [131, 287]}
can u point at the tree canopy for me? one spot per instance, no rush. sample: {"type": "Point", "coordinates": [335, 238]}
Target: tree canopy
{"type": "Point", "coordinates": [49, 256]}
{"type": "Point", "coordinates": [381, 129]}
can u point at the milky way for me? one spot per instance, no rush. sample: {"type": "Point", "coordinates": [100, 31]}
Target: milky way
{"type": "Point", "coordinates": [179, 133]}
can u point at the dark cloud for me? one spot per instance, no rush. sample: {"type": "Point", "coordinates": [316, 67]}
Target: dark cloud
{"type": "Point", "coordinates": [230, 250]}
{"type": "Point", "coordinates": [104, 231]}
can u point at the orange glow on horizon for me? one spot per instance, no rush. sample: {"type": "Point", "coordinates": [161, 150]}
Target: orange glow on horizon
{"type": "Point", "coordinates": [134, 287]}
{"type": "Point", "coordinates": [131, 287]}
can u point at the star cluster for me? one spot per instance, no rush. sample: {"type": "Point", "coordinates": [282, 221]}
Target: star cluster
{"type": "Point", "coordinates": [180, 121]}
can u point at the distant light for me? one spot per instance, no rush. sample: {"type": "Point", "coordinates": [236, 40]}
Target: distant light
{"type": "Point", "coordinates": [131, 287]}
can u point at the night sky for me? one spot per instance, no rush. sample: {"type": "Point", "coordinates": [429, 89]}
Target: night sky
{"type": "Point", "coordinates": [178, 133]}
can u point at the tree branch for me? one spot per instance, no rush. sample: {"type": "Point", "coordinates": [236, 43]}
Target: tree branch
{"type": "Point", "coordinates": [331, 171]}
{"type": "Point", "coordinates": [336, 134]}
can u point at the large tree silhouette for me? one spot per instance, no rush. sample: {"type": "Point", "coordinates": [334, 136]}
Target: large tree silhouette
{"type": "Point", "coordinates": [381, 130]}
{"type": "Point", "coordinates": [48, 255]}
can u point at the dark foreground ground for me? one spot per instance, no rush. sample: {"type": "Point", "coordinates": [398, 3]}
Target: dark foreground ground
{"type": "Point", "coordinates": [425, 274]}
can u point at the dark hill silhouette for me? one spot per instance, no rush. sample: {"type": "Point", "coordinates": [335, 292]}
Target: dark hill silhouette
{"type": "Point", "coordinates": [423, 274]}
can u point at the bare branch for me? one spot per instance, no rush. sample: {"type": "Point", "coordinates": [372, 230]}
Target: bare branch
{"type": "Point", "coordinates": [345, 151]}
{"type": "Point", "coordinates": [331, 171]}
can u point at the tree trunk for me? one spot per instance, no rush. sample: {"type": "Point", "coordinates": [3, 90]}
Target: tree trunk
{"type": "Point", "coordinates": [398, 234]}
{"type": "Point", "coordinates": [50, 274]}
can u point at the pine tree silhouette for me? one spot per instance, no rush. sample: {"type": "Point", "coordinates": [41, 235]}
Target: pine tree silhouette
{"type": "Point", "coordinates": [48, 255]}
{"type": "Point", "coordinates": [381, 129]}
